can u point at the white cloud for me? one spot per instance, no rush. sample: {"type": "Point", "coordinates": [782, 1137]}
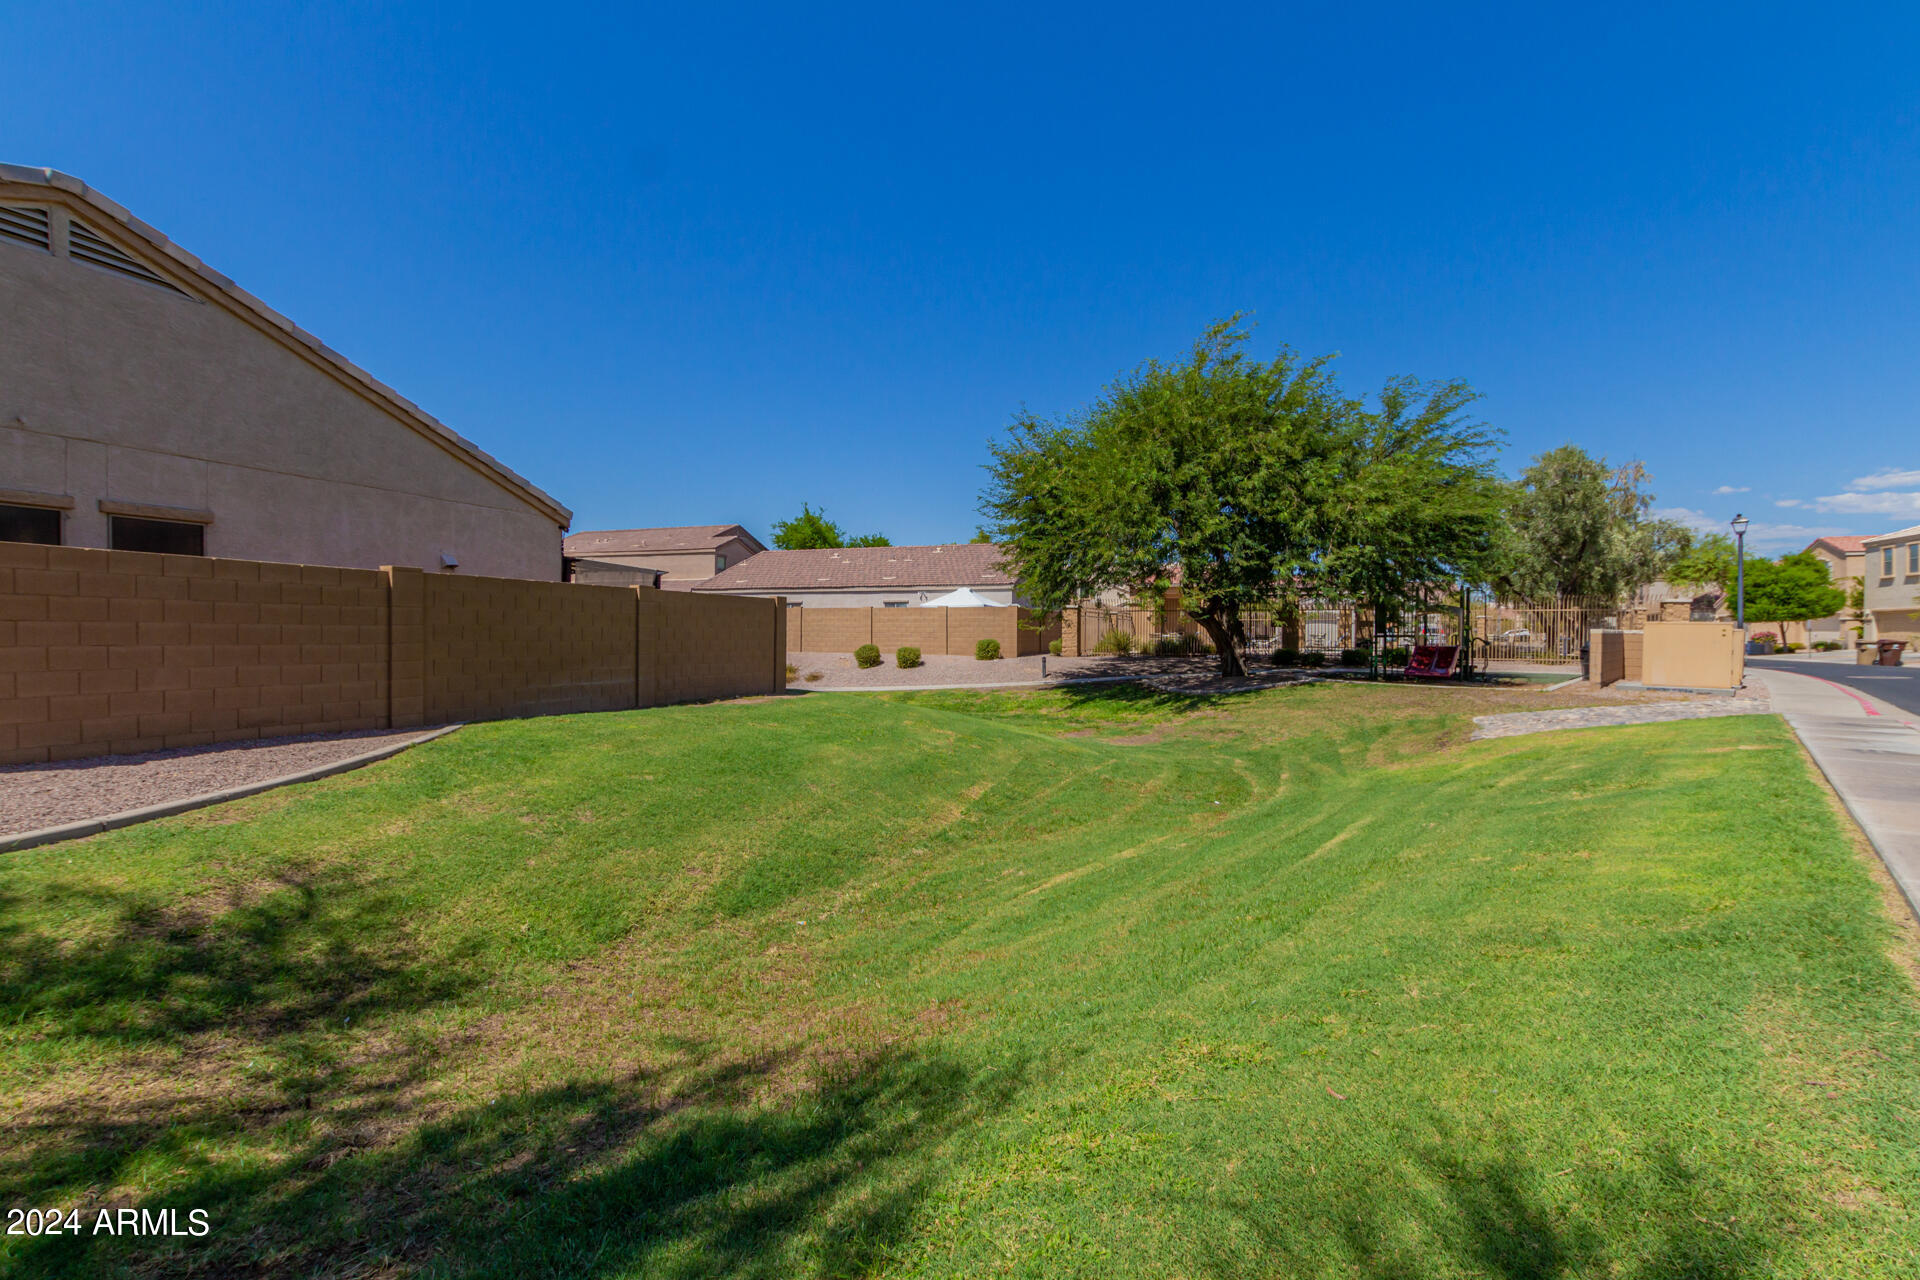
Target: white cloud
{"type": "Point", "coordinates": [1762, 535]}
{"type": "Point", "coordinates": [1887, 479]}
{"type": "Point", "coordinates": [1734, 488]}
{"type": "Point", "coordinates": [1862, 504]}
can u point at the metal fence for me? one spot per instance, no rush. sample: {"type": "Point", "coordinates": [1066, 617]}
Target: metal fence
{"type": "Point", "coordinates": [1547, 632]}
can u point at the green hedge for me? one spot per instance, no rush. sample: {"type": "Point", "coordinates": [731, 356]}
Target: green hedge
{"type": "Point", "coordinates": [986, 650]}
{"type": "Point", "coordinates": [906, 656]}
{"type": "Point", "coordinates": [867, 655]}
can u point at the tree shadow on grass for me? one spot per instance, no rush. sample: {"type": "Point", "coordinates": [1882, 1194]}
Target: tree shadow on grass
{"type": "Point", "coordinates": [1492, 1217]}
{"type": "Point", "coordinates": [692, 1171]}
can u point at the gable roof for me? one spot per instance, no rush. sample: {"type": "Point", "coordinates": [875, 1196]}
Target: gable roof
{"type": "Point", "coordinates": [685, 537]}
{"type": "Point", "coordinates": [960, 564]}
{"type": "Point", "coordinates": [1847, 544]}
{"type": "Point", "coordinates": [103, 214]}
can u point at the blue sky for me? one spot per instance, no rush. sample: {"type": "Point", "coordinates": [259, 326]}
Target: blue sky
{"type": "Point", "coordinates": [698, 264]}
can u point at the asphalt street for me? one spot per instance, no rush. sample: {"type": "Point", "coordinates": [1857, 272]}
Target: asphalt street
{"type": "Point", "coordinates": [1898, 685]}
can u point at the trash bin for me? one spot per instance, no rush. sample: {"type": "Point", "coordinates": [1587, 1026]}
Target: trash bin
{"type": "Point", "coordinates": [1890, 652]}
{"type": "Point", "coordinates": [1865, 655]}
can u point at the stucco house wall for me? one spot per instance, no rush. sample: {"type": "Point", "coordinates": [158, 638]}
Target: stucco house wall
{"type": "Point", "coordinates": [1893, 584]}
{"type": "Point", "coordinates": [189, 397]}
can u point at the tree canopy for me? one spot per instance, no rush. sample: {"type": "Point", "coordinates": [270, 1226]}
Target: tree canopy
{"type": "Point", "coordinates": [1253, 478]}
{"type": "Point", "coordinates": [1793, 588]}
{"type": "Point", "coordinates": [1578, 527]}
{"type": "Point", "coordinates": [1708, 562]}
{"type": "Point", "coordinates": [811, 529]}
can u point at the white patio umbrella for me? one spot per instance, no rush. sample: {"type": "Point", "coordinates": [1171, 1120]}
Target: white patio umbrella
{"type": "Point", "coordinates": [964, 598]}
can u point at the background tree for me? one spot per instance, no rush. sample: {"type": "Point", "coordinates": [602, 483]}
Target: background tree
{"type": "Point", "coordinates": [1708, 562]}
{"type": "Point", "coordinates": [1249, 476]}
{"type": "Point", "coordinates": [1424, 506]}
{"type": "Point", "coordinates": [980, 535]}
{"type": "Point", "coordinates": [1577, 527]}
{"type": "Point", "coordinates": [811, 529]}
{"type": "Point", "coordinates": [1793, 588]}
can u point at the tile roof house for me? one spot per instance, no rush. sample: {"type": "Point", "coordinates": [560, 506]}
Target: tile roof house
{"type": "Point", "coordinates": [148, 403]}
{"type": "Point", "coordinates": [678, 557]}
{"type": "Point", "coordinates": [1890, 565]}
{"type": "Point", "coordinates": [863, 576]}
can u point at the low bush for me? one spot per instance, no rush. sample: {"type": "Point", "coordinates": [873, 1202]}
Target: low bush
{"type": "Point", "coordinates": [1311, 659]}
{"type": "Point", "coordinates": [1827, 646]}
{"type": "Point", "coordinates": [814, 675]}
{"type": "Point", "coordinates": [792, 671]}
{"type": "Point", "coordinates": [1053, 647]}
{"type": "Point", "coordinates": [1170, 646]}
{"type": "Point", "coordinates": [1395, 657]}
{"type": "Point", "coordinates": [1793, 648]}
{"type": "Point", "coordinates": [1114, 642]}
{"type": "Point", "coordinates": [1286, 657]}
{"type": "Point", "coordinates": [1353, 657]}
{"type": "Point", "coordinates": [906, 656]}
{"type": "Point", "coordinates": [986, 650]}
{"type": "Point", "coordinates": [867, 655]}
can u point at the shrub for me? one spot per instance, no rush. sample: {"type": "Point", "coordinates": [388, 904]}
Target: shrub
{"type": "Point", "coordinates": [1311, 659]}
{"type": "Point", "coordinates": [1764, 637]}
{"type": "Point", "coordinates": [1114, 642]}
{"type": "Point", "coordinates": [1353, 657]}
{"type": "Point", "coordinates": [792, 671]}
{"type": "Point", "coordinates": [1793, 648]}
{"type": "Point", "coordinates": [1286, 657]}
{"type": "Point", "coordinates": [867, 655]}
{"type": "Point", "coordinates": [814, 675]}
{"type": "Point", "coordinates": [986, 650]}
{"type": "Point", "coordinates": [1169, 646]}
{"type": "Point", "coordinates": [1053, 647]}
{"type": "Point", "coordinates": [1395, 657]}
{"type": "Point", "coordinates": [1827, 646]}
{"type": "Point", "coordinates": [906, 656]}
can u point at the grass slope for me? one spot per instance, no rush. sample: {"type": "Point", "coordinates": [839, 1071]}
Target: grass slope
{"type": "Point", "coordinates": [1092, 984]}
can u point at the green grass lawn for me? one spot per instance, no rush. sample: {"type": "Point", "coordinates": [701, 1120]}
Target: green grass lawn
{"type": "Point", "coordinates": [1100, 983]}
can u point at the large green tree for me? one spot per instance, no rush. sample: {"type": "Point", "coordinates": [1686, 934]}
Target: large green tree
{"type": "Point", "coordinates": [811, 529]}
{"type": "Point", "coordinates": [1249, 476]}
{"type": "Point", "coordinates": [1581, 528]}
{"type": "Point", "coordinates": [1707, 562]}
{"type": "Point", "coordinates": [1793, 588]}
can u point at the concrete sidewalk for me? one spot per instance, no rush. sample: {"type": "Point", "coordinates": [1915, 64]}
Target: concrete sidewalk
{"type": "Point", "coordinates": [1870, 752]}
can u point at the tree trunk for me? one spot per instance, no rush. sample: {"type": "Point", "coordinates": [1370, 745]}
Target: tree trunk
{"type": "Point", "coordinates": [1221, 633]}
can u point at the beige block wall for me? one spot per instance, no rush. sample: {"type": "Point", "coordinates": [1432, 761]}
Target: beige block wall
{"type": "Point", "coordinates": [1693, 655]}
{"type": "Point", "coordinates": [116, 651]}
{"type": "Point", "coordinates": [115, 390]}
{"type": "Point", "coordinates": [932, 631]}
{"type": "Point", "coordinates": [499, 648]}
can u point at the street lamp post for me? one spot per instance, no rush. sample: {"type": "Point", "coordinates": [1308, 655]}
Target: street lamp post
{"type": "Point", "coordinates": [1740, 571]}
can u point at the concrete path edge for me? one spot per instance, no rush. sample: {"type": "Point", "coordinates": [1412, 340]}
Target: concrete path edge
{"type": "Point", "coordinates": [129, 817]}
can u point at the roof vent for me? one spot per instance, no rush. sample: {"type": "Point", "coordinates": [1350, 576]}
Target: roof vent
{"type": "Point", "coordinates": [25, 226]}
{"type": "Point", "coordinates": [84, 243]}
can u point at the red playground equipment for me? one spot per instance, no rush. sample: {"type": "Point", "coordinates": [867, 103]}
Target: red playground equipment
{"type": "Point", "coordinates": [1433, 661]}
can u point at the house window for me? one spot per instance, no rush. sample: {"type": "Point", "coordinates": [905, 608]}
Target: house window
{"type": "Point", "coordinates": [1913, 557]}
{"type": "Point", "coordinates": [30, 524]}
{"type": "Point", "coordinates": [1886, 562]}
{"type": "Point", "coordinates": [719, 564]}
{"type": "Point", "coordinates": [169, 537]}
{"type": "Point", "coordinates": [894, 604]}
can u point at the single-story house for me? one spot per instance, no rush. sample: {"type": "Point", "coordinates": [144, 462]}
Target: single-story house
{"type": "Point", "coordinates": [855, 577]}
{"type": "Point", "coordinates": [1892, 572]}
{"type": "Point", "coordinates": [148, 403]}
{"type": "Point", "coordinates": [677, 557]}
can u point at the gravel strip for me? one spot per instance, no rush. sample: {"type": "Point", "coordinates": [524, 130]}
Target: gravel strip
{"type": "Point", "coordinates": [33, 796]}
{"type": "Point", "coordinates": [1521, 722]}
